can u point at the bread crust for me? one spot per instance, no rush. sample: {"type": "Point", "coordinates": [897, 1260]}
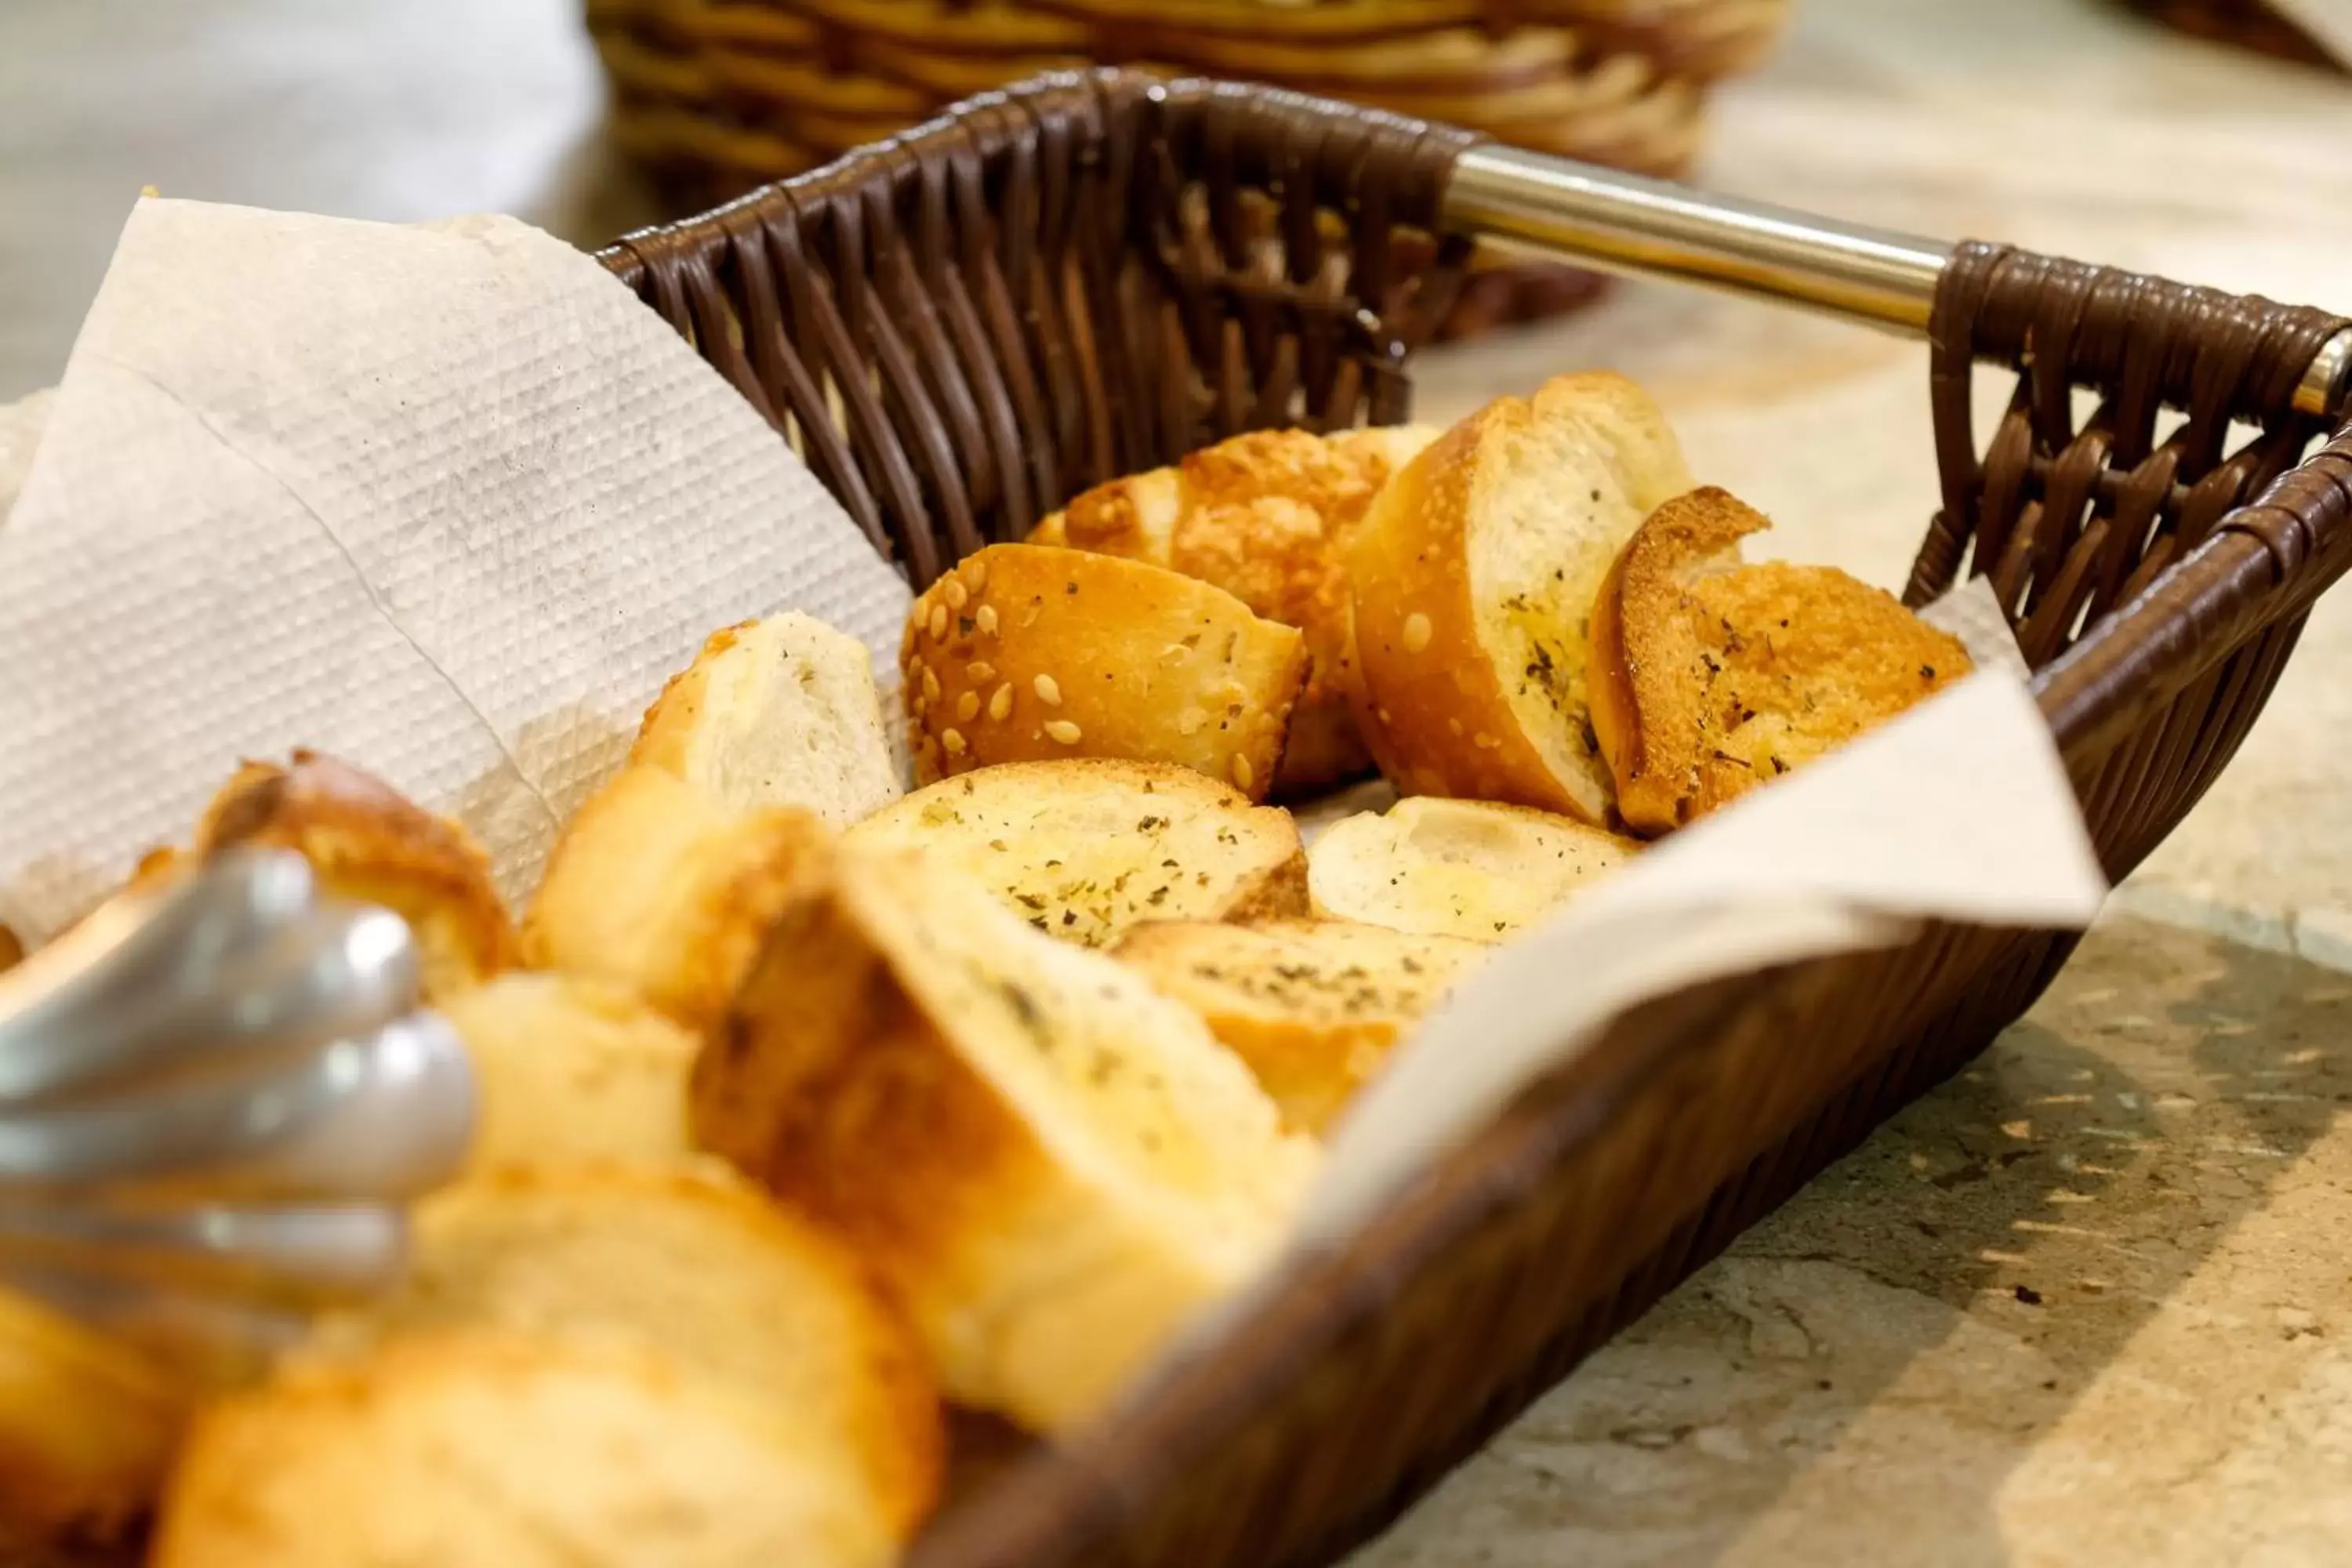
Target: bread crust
{"type": "Point", "coordinates": [368, 842]}
{"type": "Point", "coordinates": [1712, 676]}
{"type": "Point", "coordinates": [87, 1427]}
{"type": "Point", "coordinates": [1026, 652]}
{"type": "Point", "coordinates": [1266, 516]}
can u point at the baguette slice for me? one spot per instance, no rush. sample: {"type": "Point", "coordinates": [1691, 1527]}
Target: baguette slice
{"type": "Point", "coordinates": [571, 1069]}
{"type": "Point", "coordinates": [1475, 574]}
{"type": "Point", "coordinates": [1026, 653]}
{"type": "Point", "coordinates": [1051, 1166]}
{"type": "Point", "coordinates": [697, 1266]}
{"type": "Point", "coordinates": [1083, 849]}
{"type": "Point", "coordinates": [776, 713]}
{"type": "Point", "coordinates": [1713, 676]}
{"type": "Point", "coordinates": [500, 1451]}
{"type": "Point", "coordinates": [1265, 516]}
{"type": "Point", "coordinates": [87, 1427]}
{"type": "Point", "coordinates": [655, 889]}
{"type": "Point", "coordinates": [370, 843]}
{"type": "Point", "coordinates": [1456, 868]}
{"type": "Point", "coordinates": [1312, 1007]}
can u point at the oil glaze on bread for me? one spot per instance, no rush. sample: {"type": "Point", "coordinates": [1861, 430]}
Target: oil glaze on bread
{"type": "Point", "coordinates": [1475, 574]}
{"type": "Point", "coordinates": [1457, 868]}
{"type": "Point", "coordinates": [1716, 676]}
{"type": "Point", "coordinates": [1053, 1166]}
{"type": "Point", "coordinates": [1084, 849]}
{"type": "Point", "coordinates": [1025, 653]}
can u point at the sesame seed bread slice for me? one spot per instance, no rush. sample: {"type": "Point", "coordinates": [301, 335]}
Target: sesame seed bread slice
{"type": "Point", "coordinates": [1084, 849]}
{"type": "Point", "coordinates": [782, 711]}
{"type": "Point", "coordinates": [368, 843]}
{"type": "Point", "coordinates": [567, 1069]}
{"type": "Point", "coordinates": [655, 889]}
{"type": "Point", "coordinates": [1312, 1007]}
{"type": "Point", "coordinates": [87, 1427]}
{"type": "Point", "coordinates": [1712, 676]}
{"type": "Point", "coordinates": [1265, 516]}
{"type": "Point", "coordinates": [1051, 1166]}
{"type": "Point", "coordinates": [1026, 653]}
{"type": "Point", "coordinates": [1456, 868]}
{"type": "Point", "coordinates": [1475, 574]}
{"type": "Point", "coordinates": [488, 1451]}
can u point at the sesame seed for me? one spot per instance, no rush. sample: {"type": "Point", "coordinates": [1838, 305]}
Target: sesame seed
{"type": "Point", "coordinates": [979, 672]}
{"type": "Point", "coordinates": [1244, 774]}
{"type": "Point", "coordinates": [1000, 707]}
{"type": "Point", "coordinates": [1062, 729]}
{"type": "Point", "coordinates": [1416, 632]}
{"type": "Point", "coordinates": [939, 623]}
{"type": "Point", "coordinates": [931, 686]}
{"type": "Point", "coordinates": [986, 618]}
{"type": "Point", "coordinates": [976, 573]}
{"type": "Point", "coordinates": [968, 707]}
{"type": "Point", "coordinates": [1049, 691]}
{"type": "Point", "coordinates": [953, 740]}
{"type": "Point", "coordinates": [1454, 727]}
{"type": "Point", "coordinates": [1384, 717]}
{"type": "Point", "coordinates": [1485, 741]}
{"type": "Point", "coordinates": [953, 592]}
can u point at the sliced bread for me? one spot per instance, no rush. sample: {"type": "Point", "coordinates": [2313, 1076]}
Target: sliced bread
{"type": "Point", "coordinates": [782, 711]}
{"type": "Point", "coordinates": [1312, 1007]}
{"type": "Point", "coordinates": [1026, 653]}
{"type": "Point", "coordinates": [1456, 868]}
{"type": "Point", "coordinates": [1265, 516]}
{"type": "Point", "coordinates": [1712, 676]}
{"type": "Point", "coordinates": [1083, 849]}
{"type": "Point", "coordinates": [1474, 575]}
{"type": "Point", "coordinates": [490, 1450]}
{"type": "Point", "coordinates": [653, 888]}
{"type": "Point", "coordinates": [1051, 1166]}
{"type": "Point", "coordinates": [87, 1427]}
{"type": "Point", "coordinates": [569, 1069]}
{"type": "Point", "coordinates": [370, 843]}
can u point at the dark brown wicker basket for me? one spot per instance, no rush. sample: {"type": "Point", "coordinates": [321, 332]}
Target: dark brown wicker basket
{"type": "Point", "coordinates": [961, 326]}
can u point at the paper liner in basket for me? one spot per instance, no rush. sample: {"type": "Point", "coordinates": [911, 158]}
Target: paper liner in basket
{"type": "Point", "coordinates": [447, 501]}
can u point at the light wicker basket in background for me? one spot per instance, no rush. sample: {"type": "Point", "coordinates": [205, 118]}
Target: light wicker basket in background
{"type": "Point", "coordinates": [719, 96]}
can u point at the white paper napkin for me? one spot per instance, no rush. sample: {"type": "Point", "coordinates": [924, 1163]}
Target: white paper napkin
{"type": "Point", "coordinates": [446, 502]}
{"type": "Point", "coordinates": [1958, 810]}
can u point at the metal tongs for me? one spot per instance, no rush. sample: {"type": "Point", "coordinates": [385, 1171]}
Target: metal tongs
{"type": "Point", "coordinates": [215, 1102]}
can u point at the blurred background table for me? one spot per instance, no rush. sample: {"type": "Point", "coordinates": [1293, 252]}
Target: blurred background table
{"type": "Point", "coordinates": [2090, 1302]}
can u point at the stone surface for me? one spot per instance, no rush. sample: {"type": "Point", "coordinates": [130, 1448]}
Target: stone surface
{"type": "Point", "coordinates": [2087, 1303]}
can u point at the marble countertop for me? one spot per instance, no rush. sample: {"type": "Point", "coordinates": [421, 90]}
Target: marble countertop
{"type": "Point", "coordinates": [2091, 1301]}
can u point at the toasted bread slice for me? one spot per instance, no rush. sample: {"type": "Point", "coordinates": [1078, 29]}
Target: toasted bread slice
{"type": "Point", "coordinates": [1456, 868]}
{"type": "Point", "coordinates": [486, 1450]}
{"type": "Point", "coordinates": [698, 1265]}
{"type": "Point", "coordinates": [1712, 676]}
{"type": "Point", "coordinates": [1475, 574]}
{"type": "Point", "coordinates": [568, 1070]}
{"type": "Point", "coordinates": [1083, 849]}
{"type": "Point", "coordinates": [1265, 516]}
{"type": "Point", "coordinates": [776, 713]}
{"type": "Point", "coordinates": [1312, 1007]}
{"type": "Point", "coordinates": [367, 842]}
{"type": "Point", "coordinates": [656, 889]}
{"type": "Point", "coordinates": [87, 1426]}
{"type": "Point", "coordinates": [1053, 1165]}
{"type": "Point", "coordinates": [1026, 653]}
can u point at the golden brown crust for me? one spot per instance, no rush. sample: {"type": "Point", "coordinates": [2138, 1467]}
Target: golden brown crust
{"type": "Point", "coordinates": [11, 950]}
{"type": "Point", "coordinates": [370, 843]}
{"type": "Point", "coordinates": [87, 1429]}
{"type": "Point", "coordinates": [1026, 653]}
{"type": "Point", "coordinates": [1714, 678]}
{"type": "Point", "coordinates": [1264, 516]}
{"type": "Point", "coordinates": [669, 719]}
{"type": "Point", "coordinates": [1428, 684]}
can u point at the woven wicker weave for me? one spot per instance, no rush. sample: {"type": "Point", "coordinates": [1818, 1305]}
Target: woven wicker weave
{"type": "Point", "coordinates": [720, 95]}
{"type": "Point", "coordinates": [962, 328]}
